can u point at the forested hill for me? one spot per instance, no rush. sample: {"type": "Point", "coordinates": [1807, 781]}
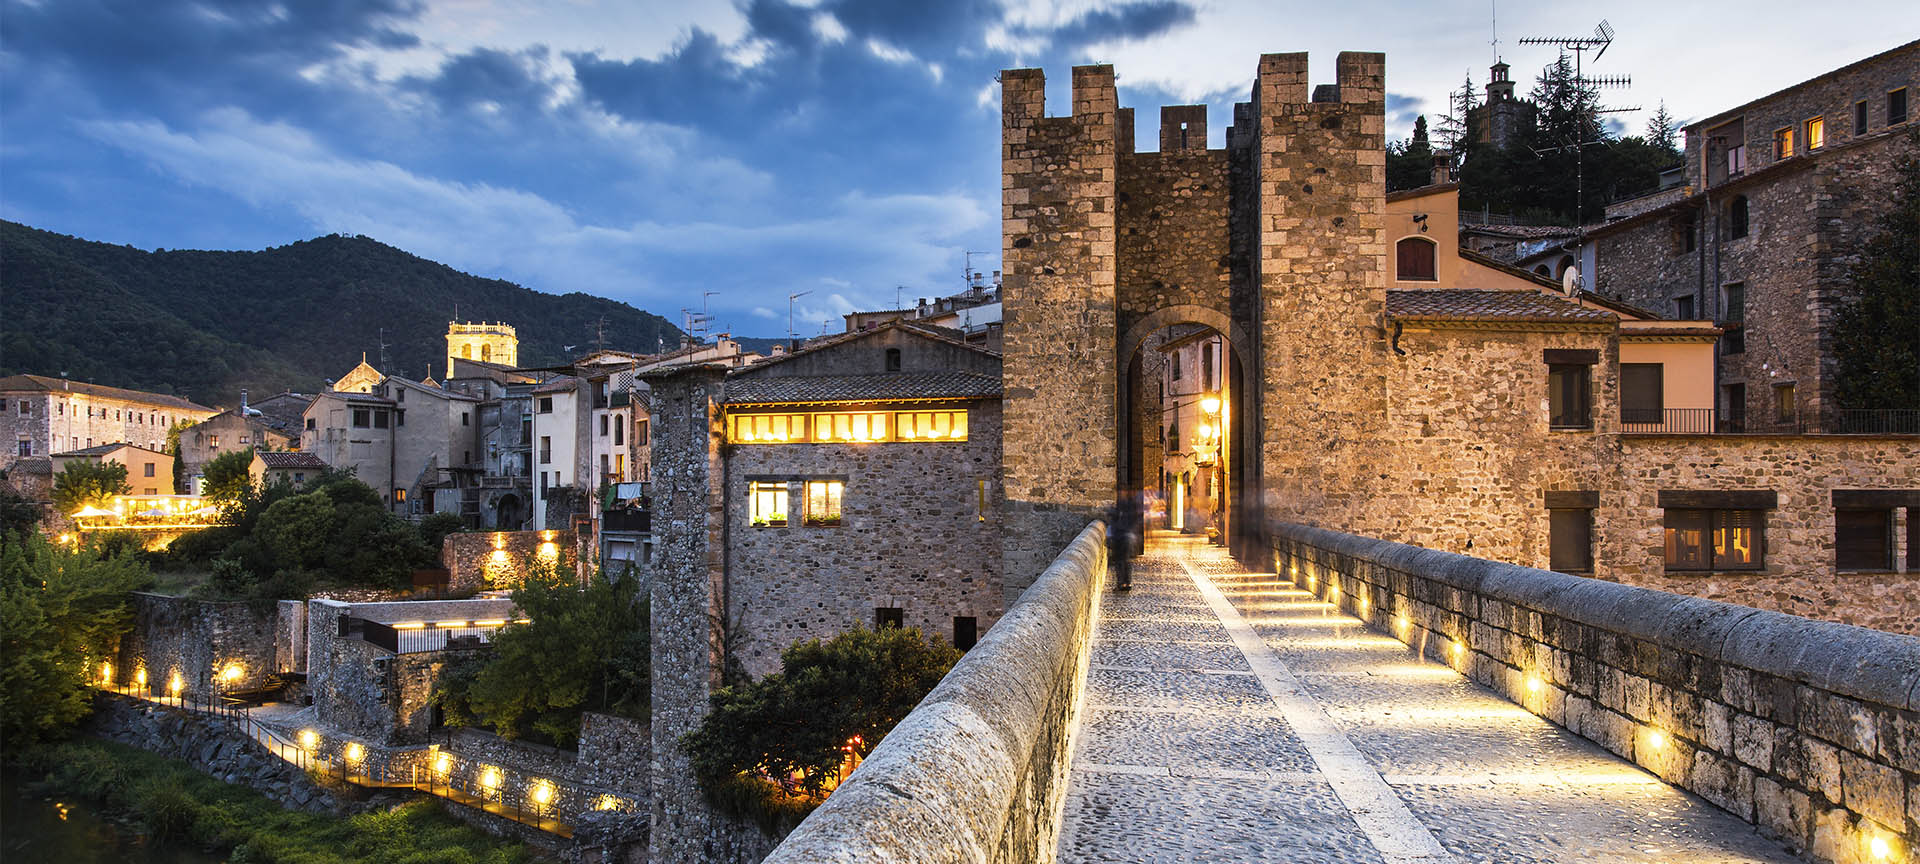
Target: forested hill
{"type": "Point", "coordinates": [205, 324]}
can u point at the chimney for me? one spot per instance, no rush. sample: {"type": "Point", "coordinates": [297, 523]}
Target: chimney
{"type": "Point", "coordinates": [243, 401]}
{"type": "Point", "coordinates": [1442, 167]}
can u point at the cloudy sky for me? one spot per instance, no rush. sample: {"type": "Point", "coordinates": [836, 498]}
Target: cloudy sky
{"type": "Point", "coordinates": [652, 151]}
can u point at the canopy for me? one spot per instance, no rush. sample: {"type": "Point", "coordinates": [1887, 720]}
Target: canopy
{"type": "Point", "coordinates": [91, 511]}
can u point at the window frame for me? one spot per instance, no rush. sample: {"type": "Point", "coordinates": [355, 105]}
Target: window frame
{"type": "Point", "coordinates": [1430, 249]}
{"type": "Point", "coordinates": [1883, 560]}
{"type": "Point", "coordinates": [1815, 130]}
{"type": "Point", "coordinates": [833, 501]}
{"type": "Point", "coordinates": [1739, 218]}
{"type": "Point", "coordinates": [1711, 521]}
{"type": "Point", "coordinates": [1786, 405]}
{"type": "Point", "coordinates": [966, 632]}
{"type": "Point", "coordinates": [1783, 143]}
{"type": "Point", "coordinates": [1557, 415]}
{"type": "Point", "coordinates": [889, 616]}
{"type": "Point", "coordinates": [1656, 414]}
{"type": "Point", "coordinates": [1583, 517]}
{"type": "Point", "coordinates": [1860, 117]}
{"type": "Point", "coordinates": [763, 505]}
{"type": "Point", "coordinates": [1906, 107]}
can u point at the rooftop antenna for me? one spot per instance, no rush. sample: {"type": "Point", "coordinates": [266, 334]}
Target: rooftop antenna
{"type": "Point", "coordinates": [1580, 45]}
{"type": "Point", "coordinates": [383, 348]}
{"type": "Point", "coordinates": [600, 334]}
{"type": "Point", "coordinates": [1493, 7]}
{"type": "Point", "coordinates": [790, 299]}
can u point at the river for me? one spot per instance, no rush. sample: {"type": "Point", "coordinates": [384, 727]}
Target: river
{"type": "Point", "coordinates": [69, 831]}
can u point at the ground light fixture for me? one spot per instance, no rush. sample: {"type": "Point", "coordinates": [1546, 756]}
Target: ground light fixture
{"type": "Point", "coordinates": [309, 739]}
{"type": "Point", "coordinates": [353, 752]}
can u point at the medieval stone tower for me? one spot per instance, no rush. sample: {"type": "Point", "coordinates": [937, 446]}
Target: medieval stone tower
{"type": "Point", "coordinates": [488, 342]}
{"type": "Point", "coordinates": [1276, 241]}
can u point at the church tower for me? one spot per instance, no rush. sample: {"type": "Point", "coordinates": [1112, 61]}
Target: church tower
{"type": "Point", "coordinates": [487, 342]}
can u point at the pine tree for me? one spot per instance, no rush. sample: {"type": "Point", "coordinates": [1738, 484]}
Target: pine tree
{"type": "Point", "coordinates": [1410, 162]}
{"type": "Point", "coordinates": [1879, 310]}
{"type": "Point", "coordinates": [1662, 131]}
{"type": "Point", "coordinates": [1456, 126]}
{"type": "Point", "coordinates": [1420, 144]}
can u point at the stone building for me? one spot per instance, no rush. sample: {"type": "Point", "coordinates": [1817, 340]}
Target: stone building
{"type": "Point", "coordinates": [41, 415]}
{"type": "Point", "coordinates": [274, 425]}
{"type": "Point", "coordinates": [415, 444]}
{"type": "Point", "coordinates": [1779, 195]}
{"type": "Point", "coordinates": [293, 468]}
{"type": "Point", "coordinates": [1502, 116]}
{"type": "Point", "coordinates": [1387, 383]}
{"type": "Point", "coordinates": [487, 342]}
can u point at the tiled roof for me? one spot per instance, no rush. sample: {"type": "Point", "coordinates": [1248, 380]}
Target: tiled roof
{"type": "Point", "coordinates": [765, 390]}
{"type": "Point", "coordinates": [931, 331]}
{"type": "Point", "coordinates": [291, 460]}
{"type": "Point", "coordinates": [1525, 232]}
{"type": "Point", "coordinates": [43, 383]}
{"type": "Point", "coordinates": [1491, 306]}
{"type": "Point", "coordinates": [98, 449]}
{"type": "Point", "coordinates": [558, 385]}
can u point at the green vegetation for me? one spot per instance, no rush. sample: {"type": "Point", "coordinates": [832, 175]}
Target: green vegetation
{"type": "Point", "coordinates": [60, 611]}
{"type": "Point", "coordinates": [1874, 328]}
{"type": "Point", "coordinates": [281, 542]}
{"type": "Point", "coordinates": [1534, 177]}
{"type": "Point", "coordinates": [179, 806]}
{"type": "Point", "coordinates": [88, 482]}
{"type": "Point", "coordinates": [584, 650]}
{"type": "Point", "coordinates": [19, 515]}
{"type": "Point", "coordinates": [205, 329]}
{"type": "Point", "coordinates": [227, 477]}
{"type": "Point", "coordinates": [830, 699]}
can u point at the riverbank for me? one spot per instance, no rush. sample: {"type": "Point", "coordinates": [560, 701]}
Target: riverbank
{"type": "Point", "coordinates": [175, 806]}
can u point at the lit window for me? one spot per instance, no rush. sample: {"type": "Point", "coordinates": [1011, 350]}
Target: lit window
{"type": "Point", "coordinates": [849, 427]}
{"type": "Point", "coordinates": [1816, 133]}
{"type": "Point", "coordinates": [1783, 143]}
{"type": "Point", "coordinates": [768, 503]}
{"type": "Point", "coordinates": [213, 441]}
{"type": "Point", "coordinates": [823, 501]}
{"type": "Point", "coordinates": [767, 428]}
{"type": "Point", "coordinates": [1715, 539]}
{"type": "Point", "coordinates": [932, 425]}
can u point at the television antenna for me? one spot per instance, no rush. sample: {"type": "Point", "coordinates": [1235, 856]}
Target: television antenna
{"type": "Point", "coordinates": [790, 299]}
{"type": "Point", "coordinates": [1598, 43]}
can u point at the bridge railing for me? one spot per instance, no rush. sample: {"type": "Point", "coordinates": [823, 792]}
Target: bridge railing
{"type": "Point", "coordinates": [1808, 729]}
{"type": "Point", "coordinates": [978, 770]}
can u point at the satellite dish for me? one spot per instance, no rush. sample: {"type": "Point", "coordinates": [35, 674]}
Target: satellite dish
{"type": "Point", "coordinates": [1570, 281]}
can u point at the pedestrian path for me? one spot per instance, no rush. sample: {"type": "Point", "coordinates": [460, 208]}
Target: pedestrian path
{"type": "Point", "coordinates": [1232, 717]}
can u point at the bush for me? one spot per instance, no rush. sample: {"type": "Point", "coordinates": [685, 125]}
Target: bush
{"type": "Point", "coordinates": [435, 528]}
{"type": "Point", "coordinates": [88, 482]}
{"type": "Point", "coordinates": [828, 699]}
{"type": "Point", "coordinates": [60, 611]}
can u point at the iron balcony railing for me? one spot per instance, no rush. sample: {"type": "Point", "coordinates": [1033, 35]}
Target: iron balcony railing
{"type": "Point", "coordinates": [1712, 421]}
{"type": "Point", "coordinates": [421, 637]}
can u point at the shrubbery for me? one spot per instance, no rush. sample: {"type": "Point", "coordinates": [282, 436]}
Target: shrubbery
{"type": "Point", "coordinates": [176, 805]}
{"type": "Point", "coordinates": [60, 610]}
{"type": "Point", "coordinates": [584, 650]}
{"type": "Point", "coordinates": [830, 698]}
{"type": "Point", "coordinates": [88, 483]}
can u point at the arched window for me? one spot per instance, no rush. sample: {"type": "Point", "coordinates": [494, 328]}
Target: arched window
{"type": "Point", "coordinates": [486, 353]}
{"type": "Point", "coordinates": [1560, 270]}
{"type": "Point", "coordinates": [1543, 271]}
{"type": "Point", "coordinates": [1737, 217]}
{"type": "Point", "coordinates": [1415, 260]}
{"type": "Point", "coordinates": [466, 352]}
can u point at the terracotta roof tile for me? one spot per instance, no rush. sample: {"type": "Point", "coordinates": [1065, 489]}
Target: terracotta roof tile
{"type": "Point", "coordinates": [43, 383]}
{"type": "Point", "coordinates": [1453, 305]}
{"type": "Point", "coordinates": [762, 390]}
{"type": "Point", "coordinates": [291, 460]}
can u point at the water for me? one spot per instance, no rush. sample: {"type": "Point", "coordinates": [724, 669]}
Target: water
{"type": "Point", "coordinates": [68, 831]}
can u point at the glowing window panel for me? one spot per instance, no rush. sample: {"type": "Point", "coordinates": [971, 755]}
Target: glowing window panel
{"type": "Point", "coordinates": [767, 428]}
{"type": "Point", "coordinates": [823, 502]}
{"type": "Point", "coordinates": [850, 427]}
{"type": "Point", "coordinates": [932, 425]}
{"type": "Point", "coordinates": [769, 503]}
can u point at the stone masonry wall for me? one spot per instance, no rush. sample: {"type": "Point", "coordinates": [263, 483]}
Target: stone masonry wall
{"type": "Point", "coordinates": [209, 745]}
{"type": "Point", "coordinates": [1058, 257]}
{"type": "Point", "coordinates": [977, 771]}
{"type": "Point", "coordinates": [911, 536]}
{"type": "Point", "coordinates": [1830, 96]}
{"type": "Point", "coordinates": [495, 558]}
{"type": "Point", "coordinates": [1173, 235]}
{"type": "Point", "coordinates": [196, 640]}
{"type": "Point", "coordinates": [1810, 730]}
{"type": "Point", "coordinates": [1320, 272]}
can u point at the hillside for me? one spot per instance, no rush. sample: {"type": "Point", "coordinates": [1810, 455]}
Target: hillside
{"type": "Point", "coordinates": [205, 324]}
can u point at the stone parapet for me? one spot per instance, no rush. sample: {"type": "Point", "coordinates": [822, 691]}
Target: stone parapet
{"type": "Point", "coordinates": [1808, 729]}
{"type": "Point", "coordinates": [977, 772]}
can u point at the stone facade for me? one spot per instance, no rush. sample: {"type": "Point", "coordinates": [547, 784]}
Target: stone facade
{"type": "Point", "coordinates": [493, 559]}
{"type": "Point", "coordinates": [978, 770]}
{"type": "Point", "coordinates": [40, 416]}
{"type": "Point", "coordinates": [198, 641]}
{"type": "Point", "coordinates": [1807, 729]}
{"type": "Point", "coordinates": [210, 746]}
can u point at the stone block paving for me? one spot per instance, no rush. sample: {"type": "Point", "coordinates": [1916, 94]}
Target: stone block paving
{"type": "Point", "coordinates": [1191, 747]}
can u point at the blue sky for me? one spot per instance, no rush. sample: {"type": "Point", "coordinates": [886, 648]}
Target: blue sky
{"type": "Point", "coordinates": [653, 151]}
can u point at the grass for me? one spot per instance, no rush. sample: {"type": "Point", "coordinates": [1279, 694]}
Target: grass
{"type": "Point", "coordinates": [177, 583]}
{"type": "Point", "coordinates": [175, 804]}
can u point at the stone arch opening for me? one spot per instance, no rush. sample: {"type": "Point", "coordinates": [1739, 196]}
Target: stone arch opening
{"type": "Point", "coordinates": [507, 516]}
{"type": "Point", "coordinates": [1184, 417]}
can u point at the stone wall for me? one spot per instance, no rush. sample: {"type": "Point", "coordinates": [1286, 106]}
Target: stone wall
{"type": "Point", "coordinates": [1830, 96]}
{"type": "Point", "coordinates": [290, 636]}
{"type": "Point", "coordinates": [1058, 256]}
{"type": "Point", "coordinates": [209, 745]}
{"type": "Point", "coordinates": [978, 771]}
{"type": "Point", "coordinates": [197, 640]}
{"type": "Point", "coordinates": [911, 537]}
{"type": "Point", "coordinates": [492, 559]}
{"type": "Point", "coordinates": [368, 692]}
{"type": "Point", "coordinates": [1809, 729]}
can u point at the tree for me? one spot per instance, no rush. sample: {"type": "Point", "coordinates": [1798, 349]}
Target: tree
{"type": "Point", "coordinates": [1410, 162]}
{"type": "Point", "coordinates": [1662, 132]}
{"type": "Point", "coordinates": [61, 613]}
{"type": "Point", "coordinates": [830, 698]}
{"type": "Point", "coordinates": [1879, 309]}
{"type": "Point", "coordinates": [1456, 126]}
{"type": "Point", "coordinates": [295, 531]}
{"type": "Point", "coordinates": [582, 650]}
{"type": "Point", "coordinates": [228, 476]}
{"type": "Point", "coordinates": [179, 456]}
{"type": "Point", "coordinates": [88, 482]}
{"type": "Point", "coordinates": [435, 528]}
{"type": "Point", "coordinates": [19, 515]}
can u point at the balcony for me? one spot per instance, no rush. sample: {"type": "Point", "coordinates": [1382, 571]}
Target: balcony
{"type": "Point", "coordinates": [1712, 421]}
{"type": "Point", "coordinates": [634, 521]}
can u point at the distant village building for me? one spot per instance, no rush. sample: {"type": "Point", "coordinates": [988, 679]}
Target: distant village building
{"type": "Point", "coordinates": [487, 342]}
{"type": "Point", "coordinates": [293, 468]}
{"type": "Point", "coordinates": [273, 424]}
{"type": "Point", "coordinates": [149, 472]}
{"type": "Point", "coordinates": [415, 444]}
{"type": "Point", "coordinates": [41, 415]}
{"type": "Point", "coordinates": [1501, 118]}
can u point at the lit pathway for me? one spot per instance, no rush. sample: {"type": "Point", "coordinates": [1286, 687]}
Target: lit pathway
{"type": "Point", "coordinates": [1230, 717]}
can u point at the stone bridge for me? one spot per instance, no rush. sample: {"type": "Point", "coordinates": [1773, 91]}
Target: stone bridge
{"type": "Point", "coordinates": [1364, 701]}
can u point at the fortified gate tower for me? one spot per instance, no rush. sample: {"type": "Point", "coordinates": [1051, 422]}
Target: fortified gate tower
{"type": "Point", "coordinates": [1276, 242]}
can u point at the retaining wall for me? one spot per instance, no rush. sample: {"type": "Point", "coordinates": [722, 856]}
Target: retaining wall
{"type": "Point", "coordinates": [978, 770]}
{"type": "Point", "coordinates": [196, 640]}
{"type": "Point", "coordinates": [498, 558]}
{"type": "Point", "coordinates": [1809, 729]}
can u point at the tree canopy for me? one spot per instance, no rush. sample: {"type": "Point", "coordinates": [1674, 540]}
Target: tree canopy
{"type": "Point", "coordinates": [61, 611]}
{"type": "Point", "coordinates": [1879, 310]}
{"type": "Point", "coordinates": [88, 483]}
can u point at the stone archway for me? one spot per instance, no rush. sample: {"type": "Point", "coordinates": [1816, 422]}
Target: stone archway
{"type": "Point", "coordinates": [1185, 314]}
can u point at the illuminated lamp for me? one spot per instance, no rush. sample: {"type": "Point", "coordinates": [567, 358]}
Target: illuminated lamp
{"type": "Point", "coordinates": [542, 793]}
{"type": "Point", "coordinates": [442, 763]}
{"type": "Point", "coordinates": [1533, 684]}
{"type": "Point", "coordinates": [606, 802]}
{"type": "Point", "coordinates": [232, 673]}
{"type": "Point", "coordinates": [175, 685]}
{"type": "Point", "coordinates": [549, 550]}
{"type": "Point", "coordinates": [309, 739]}
{"type": "Point", "coordinates": [1656, 739]}
{"type": "Point", "coordinates": [353, 752]}
{"type": "Point", "coordinates": [1210, 404]}
{"type": "Point", "coordinates": [490, 779]}
{"type": "Point", "coordinates": [1879, 849]}
{"type": "Point", "coordinates": [140, 677]}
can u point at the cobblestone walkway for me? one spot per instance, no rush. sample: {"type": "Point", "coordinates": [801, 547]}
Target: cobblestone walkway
{"type": "Point", "coordinates": [1230, 717]}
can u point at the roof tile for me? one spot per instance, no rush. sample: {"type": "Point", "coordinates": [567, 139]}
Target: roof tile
{"type": "Point", "coordinates": [1456, 305]}
{"type": "Point", "coordinates": [762, 390]}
